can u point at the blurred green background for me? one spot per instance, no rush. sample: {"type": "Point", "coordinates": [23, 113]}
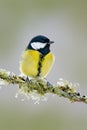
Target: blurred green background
{"type": "Point", "coordinates": [65, 22]}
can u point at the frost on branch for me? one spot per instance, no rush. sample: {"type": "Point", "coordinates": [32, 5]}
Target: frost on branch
{"type": "Point", "coordinates": [63, 88]}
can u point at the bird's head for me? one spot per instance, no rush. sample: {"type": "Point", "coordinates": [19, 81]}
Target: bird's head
{"type": "Point", "coordinates": [41, 44]}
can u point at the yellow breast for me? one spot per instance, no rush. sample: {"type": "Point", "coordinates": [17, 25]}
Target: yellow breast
{"type": "Point", "coordinates": [47, 64]}
{"type": "Point", "coordinates": [30, 63]}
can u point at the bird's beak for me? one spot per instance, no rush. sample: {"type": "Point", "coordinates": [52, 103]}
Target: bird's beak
{"type": "Point", "coordinates": [51, 42]}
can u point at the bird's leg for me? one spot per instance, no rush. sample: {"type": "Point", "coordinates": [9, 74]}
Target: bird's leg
{"type": "Point", "coordinates": [27, 79]}
{"type": "Point", "coordinates": [48, 83]}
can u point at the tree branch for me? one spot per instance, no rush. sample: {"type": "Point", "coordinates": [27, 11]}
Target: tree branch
{"type": "Point", "coordinates": [41, 86]}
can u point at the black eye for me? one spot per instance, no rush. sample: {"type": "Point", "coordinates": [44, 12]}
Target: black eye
{"type": "Point", "coordinates": [46, 40]}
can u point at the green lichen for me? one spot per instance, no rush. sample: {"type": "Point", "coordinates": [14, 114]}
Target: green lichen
{"type": "Point", "coordinates": [40, 86]}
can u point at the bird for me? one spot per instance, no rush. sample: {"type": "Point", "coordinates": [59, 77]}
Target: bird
{"type": "Point", "coordinates": [37, 59]}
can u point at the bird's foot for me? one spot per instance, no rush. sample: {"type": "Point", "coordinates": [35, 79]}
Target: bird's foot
{"type": "Point", "coordinates": [27, 79]}
{"type": "Point", "coordinates": [48, 83]}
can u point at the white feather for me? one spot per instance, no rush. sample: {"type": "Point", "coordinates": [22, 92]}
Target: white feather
{"type": "Point", "coordinates": [38, 45]}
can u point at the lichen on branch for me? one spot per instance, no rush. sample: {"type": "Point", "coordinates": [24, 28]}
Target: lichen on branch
{"type": "Point", "coordinates": [63, 88]}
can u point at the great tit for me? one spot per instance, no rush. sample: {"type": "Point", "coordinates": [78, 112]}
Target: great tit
{"type": "Point", "coordinates": [37, 59]}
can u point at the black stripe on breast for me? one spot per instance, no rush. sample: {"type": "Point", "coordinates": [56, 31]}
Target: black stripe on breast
{"type": "Point", "coordinates": [40, 64]}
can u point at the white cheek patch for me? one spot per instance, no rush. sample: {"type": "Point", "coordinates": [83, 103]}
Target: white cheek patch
{"type": "Point", "coordinates": [38, 45]}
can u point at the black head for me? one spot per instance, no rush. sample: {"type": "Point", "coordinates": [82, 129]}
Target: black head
{"type": "Point", "coordinates": [41, 39]}
{"type": "Point", "coordinates": [41, 44]}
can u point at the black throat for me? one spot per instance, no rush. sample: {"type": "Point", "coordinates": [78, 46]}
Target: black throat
{"type": "Point", "coordinates": [45, 50]}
